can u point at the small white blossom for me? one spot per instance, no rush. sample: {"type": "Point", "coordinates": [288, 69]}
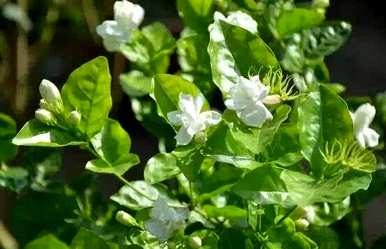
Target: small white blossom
{"type": "Point", "coordinates": [191, 119]}
{"type": "Point", "coordinates": [165, 221]}
{"type": "Point", "coordinates": [115, 33]}
{"type": "Point", "coordinates": [362, 119]}
{"type": "Point", "coordinates": [45, 116]}
{"type": "Point", "coordinates": [246, 98]}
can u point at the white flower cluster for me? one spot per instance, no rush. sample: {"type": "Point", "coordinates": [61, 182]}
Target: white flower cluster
{"type": "Point", "coordinates": [164, 220]}
{"type": "Point", "coordinates": [127, 16]}
{"type": "Point", "coordinates": [362, 119]}
{"type": "Point", "coordinates": [51, 105]}
{"type": "Point", "coordinates": [246, 98]}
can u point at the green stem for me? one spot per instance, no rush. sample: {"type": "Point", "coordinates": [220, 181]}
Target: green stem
{"type": "Point", "coordinates": [129, 184]}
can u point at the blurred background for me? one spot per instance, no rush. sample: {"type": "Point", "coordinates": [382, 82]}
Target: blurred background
{"type": "Point", "coordinates": [59, 35]}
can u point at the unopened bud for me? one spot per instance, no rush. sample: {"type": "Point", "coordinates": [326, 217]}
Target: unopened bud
{"type": "Point", "coordinates": [194, 242]}
{"type": "Point", "coordinates": [45, 116]}
{"type": "Point", "coordinates": [321, 3]}
{"type": "Point", "coordinates": [200, 137]}
{"type": "Point", "coordinates": [44, 105]}
{"type": "Point", "coordinates": [74, 117]}
{"type": "Point", "coordinates": [272, 99]}
{"type": "Point", "coordinates": [126, 219]}
{"type": "Point", "coordinates": [50, 93]}
{"type": "Point", "coordinates": [302, 223]}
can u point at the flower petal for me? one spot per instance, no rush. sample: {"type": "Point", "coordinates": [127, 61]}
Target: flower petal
{"type": "Point", "coordinates": [210, 118]}
{"type": "Point", "coordinates": [371, 137]}
{"type": "Point", "coordinates": [183, 137]}
{"type": "Point", "coordinates": [363, 117]}
{"type": "Point", "coordinates": [175, 118]}
{"type": "Point", "coordinates": [255, 115]}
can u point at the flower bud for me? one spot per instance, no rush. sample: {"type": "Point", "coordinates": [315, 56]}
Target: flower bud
{"type": "Point", "coordinates": [321, 3]}
{"type": "Point", "coordinates": [50, 93]}
{"type": "Point", "coordinates": [194, 242]}
{"type": "Point", "coordinates": [45, 116]}
{"type": "Point", "coordinates": [125, 219]}
{"type": "Point", "coordinates": [200, 137]}
{"type": "Point", "coordinates": [272, 99]}
{"type": "Point", "coordinates": [128, 14]}
{"type": "Point", "coordinates": [302, 223]}
{"type": "Point", "coordinates": [74, 118]}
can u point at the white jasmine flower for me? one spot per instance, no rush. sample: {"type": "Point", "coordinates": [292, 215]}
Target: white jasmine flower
{"type": "Point", "coordinates": [362, 119]}
{"type": "Point", "coordinates": [191, 119]}
{"type": "Point", "coordinates": [115, 33]}
{"type": "Point", "coordinates": [246, 98]}
{"type": "Point", "coordinates": [50, 93]}
{"type": "Point", "coordinates": [165, 221]}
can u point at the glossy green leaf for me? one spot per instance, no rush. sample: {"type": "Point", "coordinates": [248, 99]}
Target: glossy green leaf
{"type": "Point", "coordinates": [263, 186]}
{"type": "Point", "coordinates": [196, 14]}
{"type": "Point", "coordinates": [234, 50]}
{"type": "Point", "coordinates": [149, 49]}
{"type": "Point", "coordinates": [325, 39]}
{"type": "Point", "coordinates": [7, 132]}
{"type": "Point", "coordinates": [318, 116]}
{"type": "Point", "coordinates": [87, 91]}
{"type": "Point", "coordinates": [135, 83]}
{"type": "Point", "coordinates": [47, 242]}
{"type": "Point", "coordinates": [161, 167]}
{"type": "Point", "coordinates": [113, 145]}
{"type": "Point", "coordinates": [13, 178]}
{"type": "Point", "coordinates": [140, 194]}
{"type": "Point", "coordinates": [256, 139]}
{"type": "Point", "coordinates": [35, 133]}
{"type": "Point", "coordinates": [88, 240]}
{"type": "Point", "coordinates": [294, 20]}
{"type": "Point", "coordinates": [167, 89]}
{"type": "Point", "coordinates": [305, 190]}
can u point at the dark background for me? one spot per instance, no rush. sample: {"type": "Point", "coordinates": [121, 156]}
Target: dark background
{"type": "Point", "coordinates": [360, 65]}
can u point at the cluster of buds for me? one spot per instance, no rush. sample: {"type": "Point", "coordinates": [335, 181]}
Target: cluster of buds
{"type": "Point", "coordinates": [51, 106]}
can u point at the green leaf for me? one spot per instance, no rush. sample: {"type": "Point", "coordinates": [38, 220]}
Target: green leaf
{"type": "Point", "coordinates": [218, 179]}
{"type": "Point", "coordinates": [135, 83]}
{"type": "Point", "coordinates": [7, 132]}
{"type": "Point", "coordinates": [189, 160]}
{"type": "Point", "coordinates": [263, 186]}
{"type": "Point", "coordinates": [323, 117]}
{"type": "Point", "coordinates": [167, 89]}
{"type": "Point", "coordinates": [161, 167]}
{"type": "Point", "coordinates": [88, 240]}
{"type": "Point", "coordinates": [87, 91]}
{"type": "Point", "coordinates": [192, 53]}
{"type": "Point", "coordinates": [233, 51]}
{"type": "Point", "coordinates": [324, 40]}
{"type": "Point", "coordinates": [229, 211]}
{"type": "Point", "coordinates": [256, 139]}
{"type": "Point", "coordinates": [305, 190]}
{"type": "Point", "coordinates": [196, 14]}
{"type": "Point", "coordinates": [231, 238]}
{"type": "Point", "coordinates": [284, 149]}
{"type": "Point", "coordinates": [286, 236]}
{"type": "Point", "coordinates": [149, 49]}
{"type": "Point", "coordinates": [140, 194]}
{"type": "Point", "coordinates": [325, 237]}
{"type": "Point", "coordinates": [294, 20]}
{"type": "Point", "coordinates": [47, 242]}
{"type": "Point", "coordinates": [13, 178]}
{"type": "Point", "coordinates": [35, 133]}
{"type": "Point", "coordinates": [113, 145]}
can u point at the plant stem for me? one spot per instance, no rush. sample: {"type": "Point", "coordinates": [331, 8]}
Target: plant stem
{"type": "Point", "coordinates": [130, 185]}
